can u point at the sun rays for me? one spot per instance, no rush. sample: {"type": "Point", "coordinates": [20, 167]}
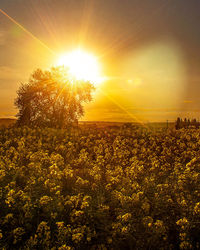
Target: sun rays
{"type": "Point", "coordinates": [82, 65]}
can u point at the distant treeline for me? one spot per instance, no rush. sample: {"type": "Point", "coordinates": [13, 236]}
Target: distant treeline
{"type": "Point", "coordinates": [185, 123]}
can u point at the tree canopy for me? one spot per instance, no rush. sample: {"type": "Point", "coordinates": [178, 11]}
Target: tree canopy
{"type": "Point", "coordinates": [52, 98]}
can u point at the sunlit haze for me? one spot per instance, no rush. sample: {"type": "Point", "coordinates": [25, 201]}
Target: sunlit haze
{"type": "Point", "coordinates": [142, 56]}
{"type": "Point", "coordinates": [82, 65]}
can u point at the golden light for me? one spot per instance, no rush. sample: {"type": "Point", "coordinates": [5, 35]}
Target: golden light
{"type": "Point", "coordinates": [82, 65]}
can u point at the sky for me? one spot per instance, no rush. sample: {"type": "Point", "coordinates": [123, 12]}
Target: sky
{"type": "Point", "coordinates": [149, 53]}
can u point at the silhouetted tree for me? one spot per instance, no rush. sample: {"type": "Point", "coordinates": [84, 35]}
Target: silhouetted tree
{"type": "Point", "coordinates": [185, 123]}
{"type": "Point", "coordinates": [188, 122]}
{"type": "Point", "coordinates": [194, 122]}
{"type": "Point", "coordinates": [178, 123]}
{"type": "Point", "coordinates": [52, 98]}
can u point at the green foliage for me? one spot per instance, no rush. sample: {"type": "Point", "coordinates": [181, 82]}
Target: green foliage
{"type": "Point", "coordinates": [99, 189]}
{"type": "Point", "coordinates": [52, 99]}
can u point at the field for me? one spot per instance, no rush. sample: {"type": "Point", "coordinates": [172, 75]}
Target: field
{"type": "Point", "coordinates": [97, 187]}
{"type": "Point", "coordinates": [7, 122]}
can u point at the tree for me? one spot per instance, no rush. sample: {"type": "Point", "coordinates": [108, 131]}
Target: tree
{"type": "Point", "coordinates": [52, 98]}
{"type": "Point", "coordinates": [178, 123]}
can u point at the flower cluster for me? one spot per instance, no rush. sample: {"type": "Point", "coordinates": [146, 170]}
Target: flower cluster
{"type": "Point", "coordinates": [99, 188]}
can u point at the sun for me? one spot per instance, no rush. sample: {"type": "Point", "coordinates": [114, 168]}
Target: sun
{"type": "Point", "coordinates": [82, 65]}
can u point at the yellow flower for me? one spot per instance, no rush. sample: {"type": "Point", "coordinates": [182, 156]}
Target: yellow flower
{"type": "Point", "coordinates": [64, 247]}
{"type": "Point", "coordinates": [1, 235]}
{"type": "Point", "coordinates": [124, 230]}
{"type": "Point", "coordinates": [126, 217]}
{"type": "Point", "coordinates": [44, 200]}
{"type": "Point", "coordinates": [77, 237]}
{"type": "Point", "coordinates": [197, 208]}
{"type": "Point", "coordinates": [147, 221]}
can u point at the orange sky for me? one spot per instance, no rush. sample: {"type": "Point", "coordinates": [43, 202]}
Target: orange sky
{"type": "Point", "coordinates": [148, 51]}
